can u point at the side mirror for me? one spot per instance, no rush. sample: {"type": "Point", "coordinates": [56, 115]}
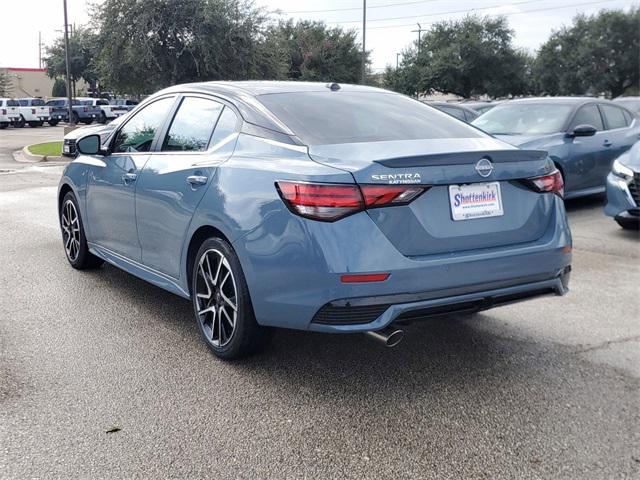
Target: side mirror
{"type": "Point", "coordinates": [584, 131]}
{"type": "Point", "coordinates": [89, 145]}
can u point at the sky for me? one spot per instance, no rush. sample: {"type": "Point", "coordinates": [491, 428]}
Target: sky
{"type": "Point", "coordinates": [389, 23]}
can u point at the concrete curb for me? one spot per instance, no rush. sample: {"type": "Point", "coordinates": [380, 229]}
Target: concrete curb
{"type": "Point", "coordinates": [30, 157]}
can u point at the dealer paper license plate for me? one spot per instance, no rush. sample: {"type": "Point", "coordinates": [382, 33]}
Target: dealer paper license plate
{"type": "Point", "coordinates": [478, 200]}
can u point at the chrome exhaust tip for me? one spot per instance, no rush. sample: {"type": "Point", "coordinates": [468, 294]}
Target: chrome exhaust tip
{"type": "Point", "coordinates": [388, 336]}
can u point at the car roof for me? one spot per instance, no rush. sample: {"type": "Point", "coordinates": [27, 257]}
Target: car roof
{"type": "Point", "coordinates": [558, 100]}
{"type": "Point", "coordinates": [266, 87]}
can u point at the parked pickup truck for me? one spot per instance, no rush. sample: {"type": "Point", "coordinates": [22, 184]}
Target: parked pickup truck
{"type": "Point", "coordinates": [9, 112]}
{"type": "Point", "coordinates": [105, 131]}
{"type": "Point", "coordinates": [107, 112]}
{"type": "Point", "coordinates": [81, 113]}
{"type": "Point", "coordinates": [33, 112]}
{"type": "Point", "coordinates": [123, 105]}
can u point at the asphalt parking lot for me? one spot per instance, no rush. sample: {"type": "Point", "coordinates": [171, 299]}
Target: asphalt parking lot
{"type": "Point", "coordinates": [544, 389]}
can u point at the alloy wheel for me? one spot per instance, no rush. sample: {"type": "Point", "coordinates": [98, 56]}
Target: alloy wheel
{"type": "Point", "coordinates": [71, 230]}
{"type": "Point", "coordinates": [216, 298]}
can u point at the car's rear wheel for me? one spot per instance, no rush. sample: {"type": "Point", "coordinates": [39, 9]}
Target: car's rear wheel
{"type": "Point", "coordinates": [53, 123]}
{"type": "Point", "coordinates": [102, 118]}
{"type": "Point", "coordinates": [221, 302]}
{"type": "Point", "coordinates": [20, 122]}
{"type": "Point", "coordinates": [3, 125]}
{"type": "Point", "coordinates": [73, 237]}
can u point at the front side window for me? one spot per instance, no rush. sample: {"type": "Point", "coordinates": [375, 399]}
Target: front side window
{"type": "Point", "coordinates": [322, 118]}
{"type": "Point", "coordinates": [524, 119]}
{"type": "Point", "coordinates": [138, 133]}
{"type": "Point", "coordinates": [192, 126]}
{"type": "Point", "coordinates": [102, 102]}
{"type": "Point", "coordinates": [37, 102]}
{"type": "Point", "coordinates": [614, 116]}
{"type": "Point", "coordinates": [23, 103]}
{"type": "Point", "coordinates": [588, 115]}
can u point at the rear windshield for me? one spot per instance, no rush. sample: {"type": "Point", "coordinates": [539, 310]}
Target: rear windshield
{"type": "Point", "coordinates": [323, 118]}
{"type": "Point", "coordinates": [37, 102]}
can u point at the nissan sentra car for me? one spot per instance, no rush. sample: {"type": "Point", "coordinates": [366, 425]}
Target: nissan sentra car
{"type": "Point", "coordinates": [582, 135]}
{"type": "Point", "coordinates": [320, 207]}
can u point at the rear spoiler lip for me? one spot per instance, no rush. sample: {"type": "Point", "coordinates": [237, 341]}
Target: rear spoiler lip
{"type": "Point", "coordinates": [463, 158]}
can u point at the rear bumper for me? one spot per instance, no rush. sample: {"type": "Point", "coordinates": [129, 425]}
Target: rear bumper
{"type": "Point", "coordinates": [375, 313]}
{"type": "Point", "coordinates": [293, 269]}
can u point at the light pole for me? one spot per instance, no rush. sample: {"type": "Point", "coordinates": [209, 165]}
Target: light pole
{"type": "Point", "coordinates": [398, 59]}
{"type": "Point", "coordinates": [364, 38]}
{"type": "Point", "coordinates": [66, 60]}
{"type": "Point", "coordinates": [419, 32]}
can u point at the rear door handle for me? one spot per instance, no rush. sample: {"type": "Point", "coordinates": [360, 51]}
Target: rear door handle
{"type": "Point", "coordinates": [129, 177]}
{"type": "Point", "coordinates": [197, 180]}
{"type": "Point", "coordinates": [607, 143]}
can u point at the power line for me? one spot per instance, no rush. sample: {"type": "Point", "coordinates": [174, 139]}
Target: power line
{"type": "Point", "coordinates": [500, 15]}
{"type": "Point", "coordinates": [359, 8]}
{"type": "Point", "coordinates": [442, 13]}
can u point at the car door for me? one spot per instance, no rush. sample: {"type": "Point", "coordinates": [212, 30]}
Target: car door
{"type": "Point", "coordinates": [586, 154]}
{"type": "Point", "coordinates": [201, 135]}
{"type": "Point", "coordinates": [110, 196]}
{"type": "Point", "coordinates": [620, 137]}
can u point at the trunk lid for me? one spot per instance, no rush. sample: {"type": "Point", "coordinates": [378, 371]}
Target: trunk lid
{"type": "Point", "coordinates": [426, 225]}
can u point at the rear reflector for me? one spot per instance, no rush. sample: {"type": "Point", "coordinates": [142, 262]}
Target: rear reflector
{"type": "Point", "coordinates": [332, 201]}
{"type": "Point", "coordinates": [364, 278]}
{"type": "Point", "coordinates": [547, 183]}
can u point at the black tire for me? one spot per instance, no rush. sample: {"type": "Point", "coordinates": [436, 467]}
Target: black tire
{"type": "Point", "coordinates": [88, 122]}
{"type": "Point", "coordinates": [33, 124]}
{"type": "Point", "coordinates": [102, 118]}
{"type": "Point", "coordinates": [246, 335]}
{"type": "Point", "coordinates": [39, 123]}
{"type": "Point", "coordinates": [629, 223]}
{"type": "Point", "coordinates": [75, 118]}
{"type": "Point", "coordinates": [79, 256]}
{"type": "Point", "coordinates": [19, 123]}
{"type": "Point", "coordinates": [53, 123]}
{"type": "Point", "coordinates": [3, 125]}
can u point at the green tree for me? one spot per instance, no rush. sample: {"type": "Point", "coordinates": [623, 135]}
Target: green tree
{"type": "Point", "coordinates": [82, 50]}
{"type": "Point", "coordinates": [6, 87]}
{"type": "Point", "coordinates": [469, 57]}
{"type": "Point", "coordinates": [315, 52]}
{"type": "Point", "coordinates": [59, 88]}
{"type": "Point", "coordinates": [175, 41]}
{"type": "Point", "coordinates": [597, 54]}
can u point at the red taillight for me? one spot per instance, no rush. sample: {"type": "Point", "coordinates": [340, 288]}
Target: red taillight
{"type": "Point", "coordinates": [385, 195]}
{"type": "Point", "coordinates": [548, 183]}
{"type": "Point", "coordinates": [85, 109]}
{"type": "Point", "coordinates": [332, 201]}
{"type": "Point", "coordinates": [4, 111]}
{"type": "Point", "coordinates": [33, 111]}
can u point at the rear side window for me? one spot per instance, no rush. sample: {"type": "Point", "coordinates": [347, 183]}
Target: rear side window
{"type": "Point", "coordinates": [102, 102]}
{"type": "Point", "coordinates": [138, 133]}
{"type": "Point", "coordinates": [323, 118]}
{"type": "Point", "coordinates": [614, 116]}
{"type": "Point", "coordinates": [226, 126]}
{"type": "Point", "coordinates": [192, 126]}
{"type": "Point", "coordinates": [588, 115]}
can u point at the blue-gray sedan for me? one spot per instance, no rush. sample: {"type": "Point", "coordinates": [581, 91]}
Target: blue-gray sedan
{"type": "Point", "coordinates": [582, 135]}
{"type": "Point", "coordinates": [329, 208]}
{"type": "Point", "coordinates": [623, 189]}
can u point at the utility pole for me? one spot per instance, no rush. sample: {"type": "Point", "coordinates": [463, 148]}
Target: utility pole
{"type": "Point", "coordinates": [419, 32]}
{"type": "Point", "coordinates": [397, 59]}
{"type": "Point", "coordinates": [39, 49]}
{"type": "Point", "coordinates": [364, 39]}
{"type": "Point", "coordinates": [66, 60]}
